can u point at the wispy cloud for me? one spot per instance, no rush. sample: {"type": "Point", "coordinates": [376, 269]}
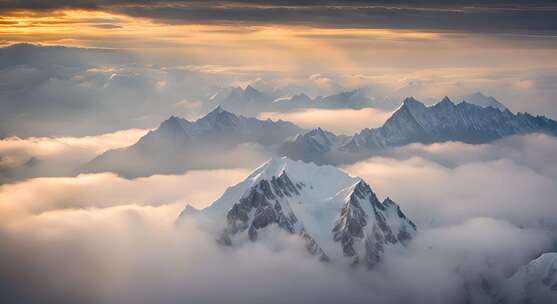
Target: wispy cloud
{"type": "Point", "coordinates": [340, 121]}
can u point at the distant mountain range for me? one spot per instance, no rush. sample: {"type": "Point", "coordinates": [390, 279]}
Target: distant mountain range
{"type": "Point", "coordinates": [482, 100]}
{"type": "Point", "coordinates": [338, 217]}
{"type": "Point", "coordinates": [251, 101]}
{"type": "Point", "coordinates": [248, 101]}
{"type": "Point", "coordinates": [178, 145]}
{"type": "Point", "coordinates": [340, 220]}
{"type": "Point", "coordinates": [414, 122]}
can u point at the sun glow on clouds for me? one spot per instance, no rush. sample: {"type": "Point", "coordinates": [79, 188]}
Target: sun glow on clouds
{"type": "Point", "coordinates": [283, 47]}
{"type": "Point", "coordinates": [35, 196]}
{"type": "Point", "coordinates": [273, 48]}
{"type": "Point", "coordinates": [341, 121]}
{"type": "Point", "coordinates": [14, 150]}
{"type": "Point", "coordinates": [68, 27]}
{"type": "Point", "coordinates": [89, 28]}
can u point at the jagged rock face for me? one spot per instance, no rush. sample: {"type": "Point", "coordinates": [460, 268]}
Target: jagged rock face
{"type": "Point", "coordinates": [259, 201]}
{"type": "Point", "coordinates": [414, 122]}
{"type": "Point", "coordinates": [265, 205]}
{"type": "Point", "coordinates": [339, 217]}
{"type": "Point", "coordinates": [363, 224]}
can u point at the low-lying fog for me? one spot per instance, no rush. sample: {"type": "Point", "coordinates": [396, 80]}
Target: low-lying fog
{"type": "Point", "coordinates": [481, 210]}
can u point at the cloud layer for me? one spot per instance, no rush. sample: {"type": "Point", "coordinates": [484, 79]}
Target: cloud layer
{"type": "Point", "coordinates": [452, 182]}
{"type": "Point", "coordinates": [101, 238]}
{"type": "Point", "coordinates": [464, 16]}
{"type": "Point", "coordinates": [22, 158]}
{"type": "Point", "coordinates": [341, 121]}
{"type": "Point", "coordinates": [57, 91]}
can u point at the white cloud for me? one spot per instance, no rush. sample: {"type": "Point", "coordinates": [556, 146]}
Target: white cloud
{"type": "Point", "coordinates": [451, 182]}
{"type": "Point", "coordinates": [22, 158]}
{"type": "Point", "coordinates": [198, 188]}
{"type": "Point", "coordinates": [15, 151]}
{"type": "Point", "coordinates": [340, 121]}
{"type": "Point", "coordinates": [101, 238]}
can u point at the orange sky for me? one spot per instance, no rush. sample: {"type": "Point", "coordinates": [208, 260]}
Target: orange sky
{"type": "Point", "coordinates": [390, 58]}
{"type": "Point", "coordinates": [271, 47]}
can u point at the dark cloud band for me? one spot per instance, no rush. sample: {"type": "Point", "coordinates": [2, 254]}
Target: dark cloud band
{"type": "Point", "coordinates": [462, 16]}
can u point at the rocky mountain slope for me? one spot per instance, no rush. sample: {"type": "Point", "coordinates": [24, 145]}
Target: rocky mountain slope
{"type": "Point", "coordinates": [338, 216]}
{"type": "Point", "coordinates": [414, 122]}
{"type": "Point", "coordinates": [482, 100]}
{"type": "Point", "coordinates": [178, 144]}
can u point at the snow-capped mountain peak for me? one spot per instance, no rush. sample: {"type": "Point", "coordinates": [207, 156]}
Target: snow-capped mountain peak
{"type": "Point", "coordinates": [338, 216]}
{"type": "Point", "coordinates": [536, 282]}
{"type": "Point", "coordinates": [414, 122]}
{"type": "Point", "coordinates": [482, 100]}
{"type": "Point", "coordinates": [218, 109]}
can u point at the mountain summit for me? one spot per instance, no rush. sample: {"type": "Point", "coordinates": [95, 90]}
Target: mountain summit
{"type": "Point", "coordinates": [482, 100]}
{"type": "Point", "coordinates": [178, 144]}
{"type": "Point", "coordinates": [338, 216]}
{"type": "Point", "coordinates": [414, 122]}
{"type": "Point", "coordinates": [248, 101]}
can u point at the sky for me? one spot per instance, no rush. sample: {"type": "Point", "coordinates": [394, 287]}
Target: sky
{"type": "Point", "coordinates": [81, 77]}
{"type": "Point", "coordinates": [142, 61]}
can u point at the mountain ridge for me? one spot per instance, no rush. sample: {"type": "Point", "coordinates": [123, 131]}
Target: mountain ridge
{"type": "Point", "coordinates": [414, 122]}
{"type": "Point", "coordinates": [338, 216]}
{"type": "Point", "coordinates": [178, 144]}
{"type": "Point", "coordinates": [190, 143]}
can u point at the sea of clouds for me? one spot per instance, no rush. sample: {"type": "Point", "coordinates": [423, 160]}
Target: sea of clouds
{"type": "Point", "coordinates": [482, 211]}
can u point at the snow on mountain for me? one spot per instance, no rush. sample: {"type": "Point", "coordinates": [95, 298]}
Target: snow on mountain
{"type": "Point", "coordinates": [445, 121]}
{"type": "Point", "coordinates": [311, 145]}
{"type": "Point", "coordinates": [338, 216]}
{"type": "Point", "coordinates": [414, 122]}
{"type": "Point", "coordinates": [482, 100]}
{"type": "Point", "coordinates": [355, 99]}
{"type": "Point", "coordinates": [178, 144]}
{"type": "Point", "coordinates": [224, 126]}
{"type": "Point", "coordinates": [297, 101]}
{"type": "Point", "coordinates": [248, 101]}
{"type": "Point", "coordinates": [536, 282]}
